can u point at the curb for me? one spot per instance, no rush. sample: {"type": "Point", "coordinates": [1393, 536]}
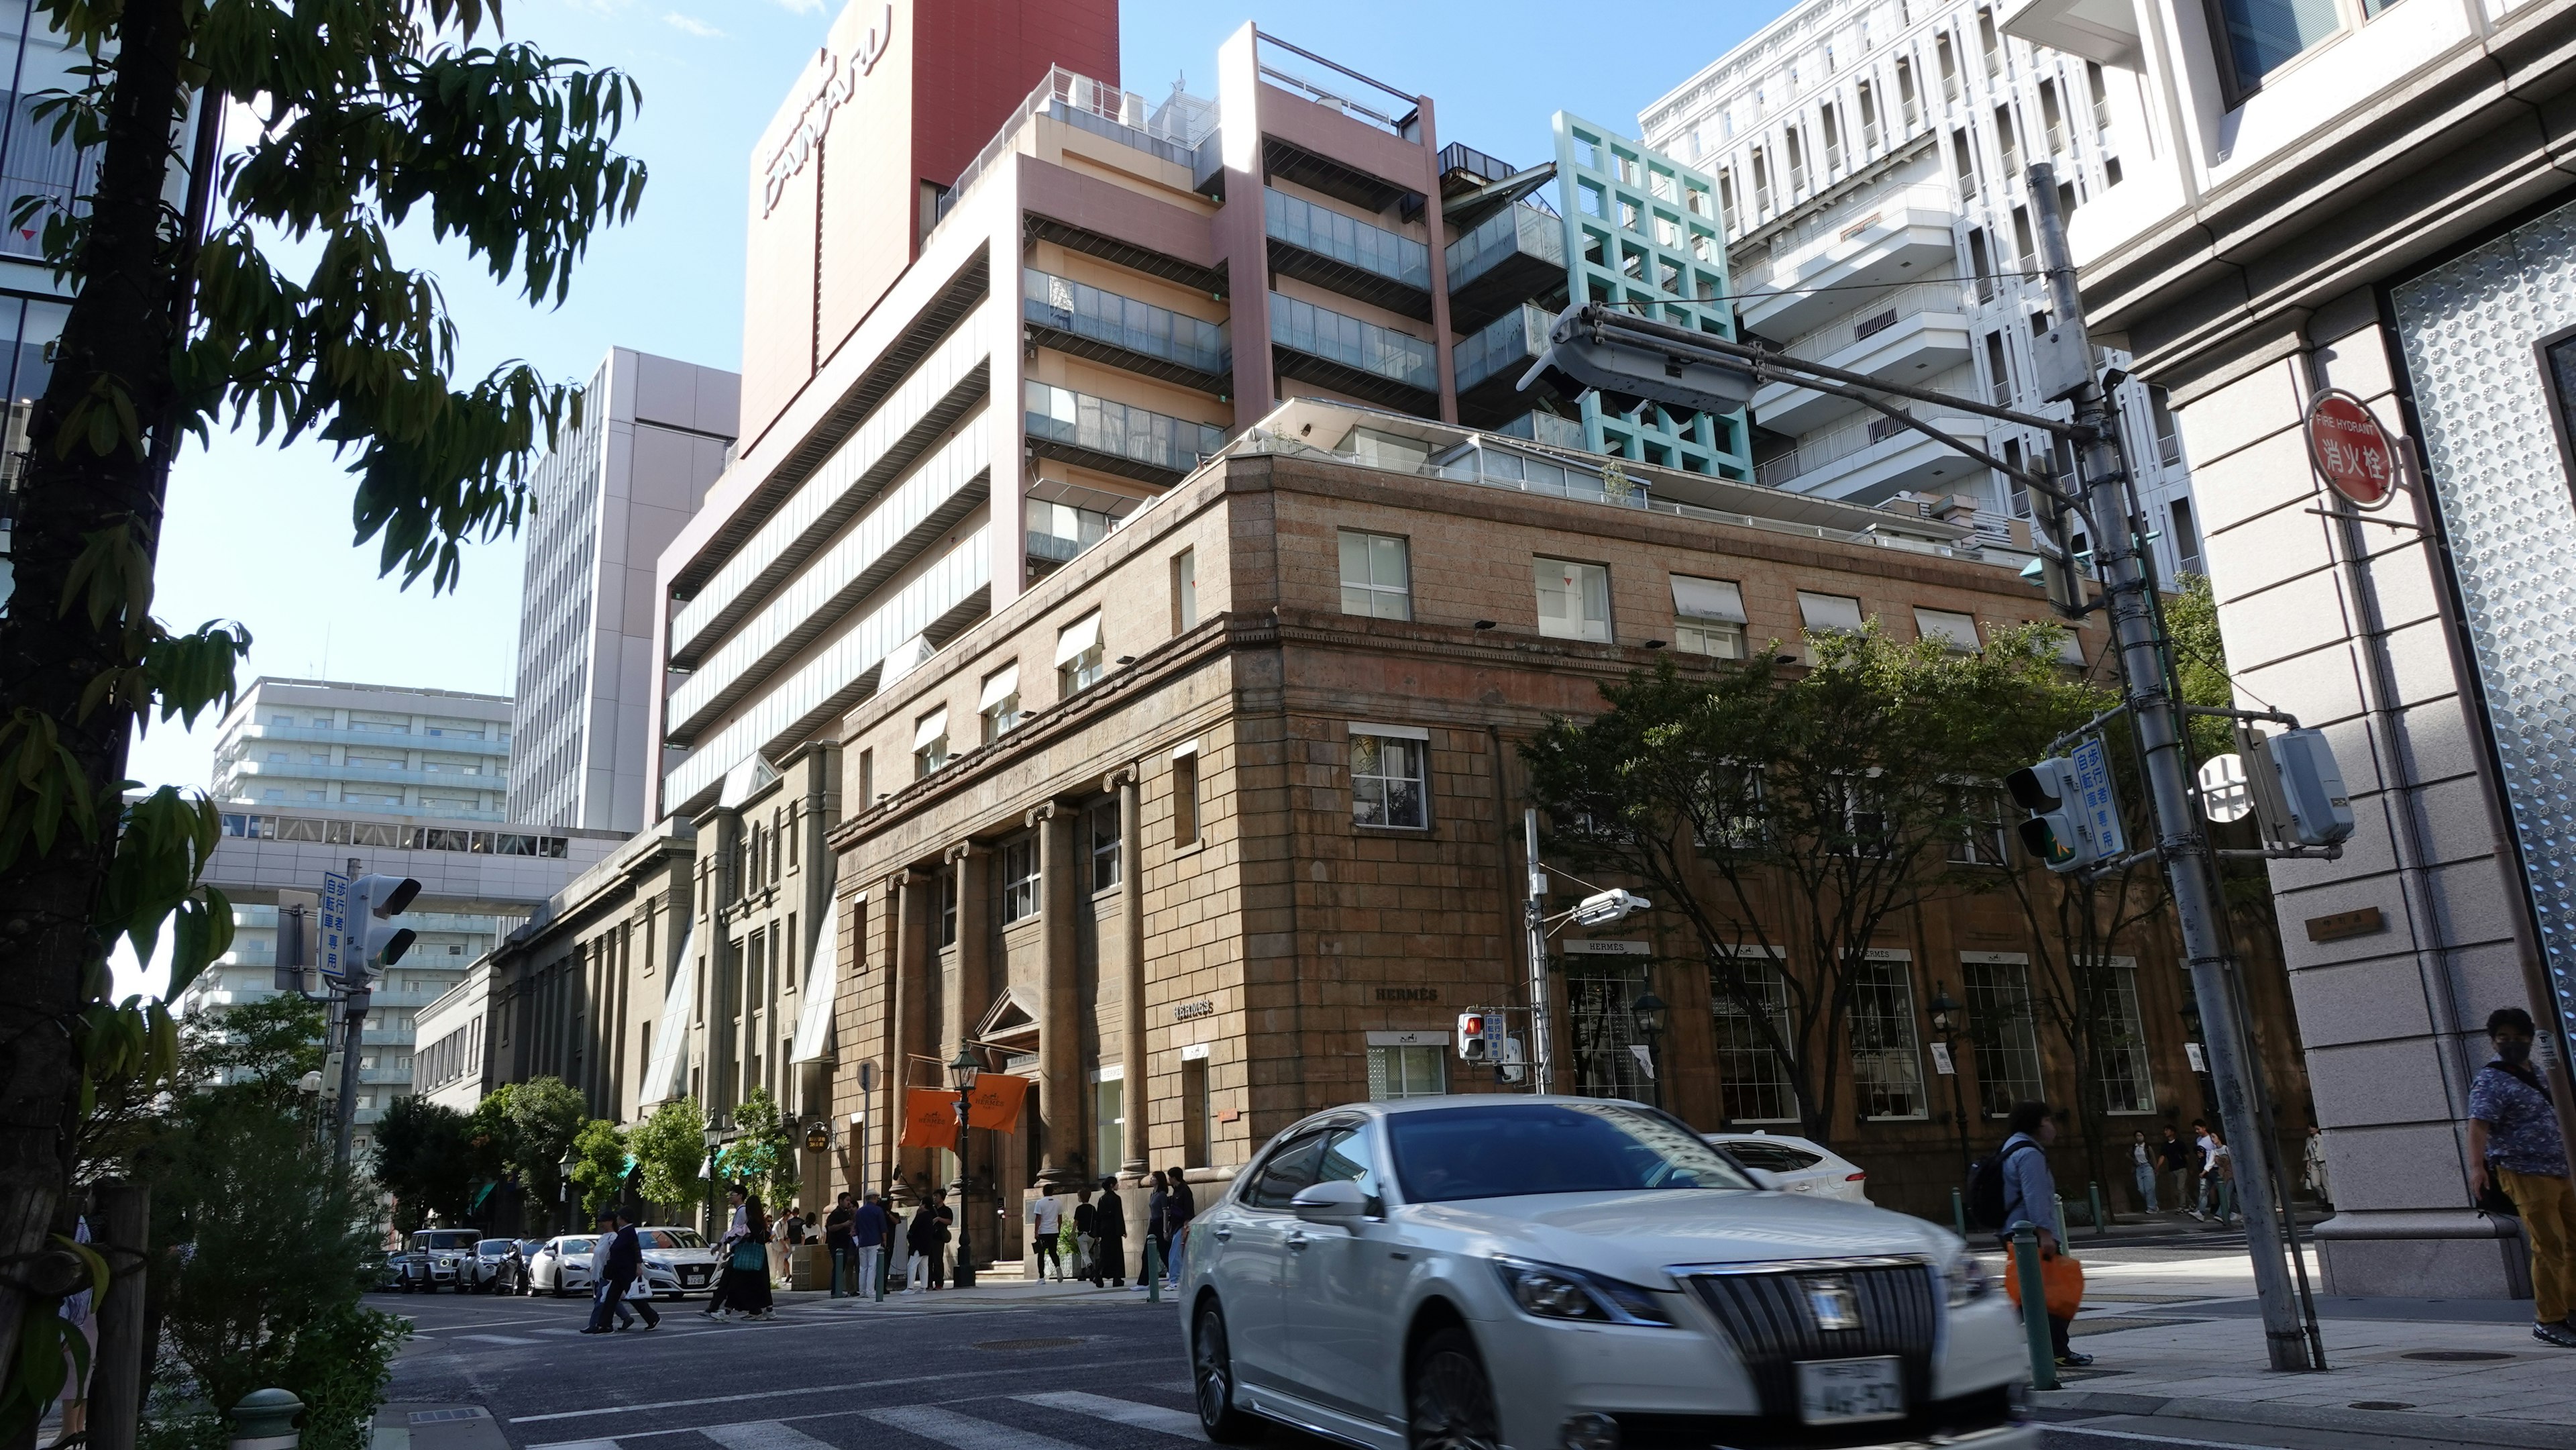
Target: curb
{"type": "Point", "coordinates": [2447, 1429]}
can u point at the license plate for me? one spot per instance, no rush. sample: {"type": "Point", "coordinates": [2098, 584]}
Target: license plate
{"type": "Point", "coordinates": [1842, 1391]}
{"type": "Point", "coordinates": [695, 1276]}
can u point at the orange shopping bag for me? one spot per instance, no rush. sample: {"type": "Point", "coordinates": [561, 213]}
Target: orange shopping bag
{"type": "Point", "coordinates": [2061, 1282]}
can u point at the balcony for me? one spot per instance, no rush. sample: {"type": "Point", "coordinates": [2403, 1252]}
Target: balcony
{"type": "Point", "coordinates": [1868, 461]}
{"type": "Point", "coordinates": [1316, 244]}
{"type": "Point", "coordinates": [1907, 336]}
{"type": "Point", "coordinates": [1073, 317]}
{"type": "Point", "coordinates": [1362, 359]}
{"type": "Point", "coordinates": [1114, 437]}
{"type": "Point", "coordinates": [1059, 533]}
{"type": "Point", "coordinates": [1490, 361]}
{"type": "Point", "coordinates": [497, 743]}
{"type": "Point", "coordinates": [1512, 256]}
{"type": "Point", "coordinates": [1879, 240]}
{"type": "Point", "coordinates": [1545, 428]}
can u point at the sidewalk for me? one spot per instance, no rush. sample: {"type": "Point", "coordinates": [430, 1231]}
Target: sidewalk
{"type": "Point", "coordinates": [2177, 1333]}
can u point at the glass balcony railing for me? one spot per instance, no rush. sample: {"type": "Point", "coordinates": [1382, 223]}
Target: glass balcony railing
{"type": "Point", "coordinates": [1058, 533]}
{"type": "Point", "coordinates": [1545, 428]}
{"type": "Point", "coordinates": [1515, 230]}
{"type": "Point", "coordinates": [1304, 327]}
{"type": "Point", "coordinates": [1124, 322]}
{"type": "Point", "coordinates": [1509, 341]}
{"type": "Point", "coordinates": [1327, 233]}
{"type": "Point", "coordinates": [1100, 425]}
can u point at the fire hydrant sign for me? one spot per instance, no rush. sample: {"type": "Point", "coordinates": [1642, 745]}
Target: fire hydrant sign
{"type": "Point", "coordinates": [2355, 454]}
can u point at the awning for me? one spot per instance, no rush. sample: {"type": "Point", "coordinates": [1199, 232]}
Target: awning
{"type": "Point", "coordinates": [1080, 636]}
{"type": "Point", "coordinates": [822, 984]}
{"type": "Point", "coordinates": [666, 1076]}
{"type": "Point", "coordinates": [929, 728]}
{"type": "Point", "coordinates": [1001, 685]}
{"type": "Point", "coordinates": [1829, 612]}
{"type": "Point", "coordinates": [1707, 599]}
{"type": "Point", "coordinates": [1957, 631]}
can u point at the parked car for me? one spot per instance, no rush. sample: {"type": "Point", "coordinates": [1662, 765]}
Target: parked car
{"type": "Point", "coordinates": [435, 1258]}
{"type": "Point", "coordinates": [1796, 1165]}
{"type": "Point", "coordinates": [497, 1267]}
{"type": "Point", "coordinates": [1568, 1272]}
{"type": "Point", "coordinates": [677, 1261]}
{"type": "Point", "coordinates": [562, 1265]}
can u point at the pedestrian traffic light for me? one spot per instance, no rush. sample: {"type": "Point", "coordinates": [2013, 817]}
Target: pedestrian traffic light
{"type": "Point", "coordinates": [1471, 1037]}
{"type": "Point", "coordinates": [2298, 789]}
{"type": "Point", "coordinates": [373, 903]}
{"type": "Point", "coordinates": [2052, 565]}
{"type": "Point", "coordinates": [2075, 817]}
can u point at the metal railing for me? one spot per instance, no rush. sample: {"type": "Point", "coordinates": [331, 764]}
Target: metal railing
{"type": "Point", "coordinates": [1816, 235]}
{"type": "Point", "coordinates": [1327, 233]}
{"type": "Point", "coordinates": [1087, 311]}
{"type": "Point", "coordinates": [1101, 425]}
{"type": "Point", "coordinates": [1319, 332]}
{"type": "Point", "coordinates": [1510, 340]}
{"type": "Point", "coordinates": [1824, 450]}
{"type": "Point", "coordinates": [1171, 130]}
{"type": "Point", "coordinates": [1545, 428]}
{"type": "Point", "coordinates": [1518, 228]}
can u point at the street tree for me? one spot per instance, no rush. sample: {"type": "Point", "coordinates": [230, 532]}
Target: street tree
{"type": "Point", "coordinates": [526, 1128]}
{"type": "Point", "coordinates": [762, 1155]}
{"type": "Point", "coordinates": [274, 298]}
{"type": "Point", "coordinates": [1784, 817]}
{"type": "Point", "coordinates": [599, 1154]}
{"type": "Point", "coordinates": [670, 1147]}
{"type": "Point", "coordinates": [424, 1157]}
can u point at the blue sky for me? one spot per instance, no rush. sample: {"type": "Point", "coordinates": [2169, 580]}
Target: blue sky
{"type": "Point", "coordinates": [261, 534]}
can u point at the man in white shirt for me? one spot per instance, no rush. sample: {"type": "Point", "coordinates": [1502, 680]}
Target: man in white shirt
{"type": "Point", "coordinates": [1046, 1217]}
{"type": "Point", "coordinates": [2207, 1202]}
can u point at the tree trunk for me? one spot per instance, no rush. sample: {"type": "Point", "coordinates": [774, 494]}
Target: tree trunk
{"type": "Point", "coordinates": [119, 330]}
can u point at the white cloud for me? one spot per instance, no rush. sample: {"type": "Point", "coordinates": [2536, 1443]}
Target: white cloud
{"type": "Point", "coordinates": [804, 7]}
{"type": "Point", "coordinates": [689, 25]}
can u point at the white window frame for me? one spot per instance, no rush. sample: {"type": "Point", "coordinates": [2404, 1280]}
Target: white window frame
{"type": "Point", "coordinates": [1951, 629]}
{"type": "Point", "coordinates": [930, 743]}
{"type": "Point", "coordinates": [1371, 596]}
{"type": "Point", "coordinates": [1078, 653]}
{"type": "Point", "coordinates": [1708, 617]}
{"type": "Point", "coordinates": [1020, 880]}
{"type": "Point", "coordinates": [1411, 742]}
{"type": "Point", "coordinates": [999, 705]}
{"type": "Point", "coordinates": [1575, 585]}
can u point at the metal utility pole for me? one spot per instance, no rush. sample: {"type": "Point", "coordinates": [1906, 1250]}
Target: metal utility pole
{"type": "Point", "coordinates": [353, 1013]}
{"type": "Point", "coordinates": [2109, 492]}
{"type": "Point", "coordinates": [1542, 1039]}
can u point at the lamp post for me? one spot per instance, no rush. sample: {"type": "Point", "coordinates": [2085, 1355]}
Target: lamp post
{"type": "Point", "coordinates": [1650, 1014]}
{"type": "Point", "coordinates": [707, 1218]}
{"type": "Point", "coordinates": [563, 1187]}
{"type": "Point", "coordinates": [1945, 1025]}
{"type": "Point", "coordinates": [963, 1073]}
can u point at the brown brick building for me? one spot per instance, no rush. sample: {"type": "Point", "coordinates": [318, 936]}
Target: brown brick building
{"type": "Point", "coordinates": [1217, 825]}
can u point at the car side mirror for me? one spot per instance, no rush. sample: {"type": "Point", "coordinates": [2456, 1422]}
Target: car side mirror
{"type": "Point", "coordinates": [1335, 1200]}
{"type": "Point", "coordinates": [1764, 1178]}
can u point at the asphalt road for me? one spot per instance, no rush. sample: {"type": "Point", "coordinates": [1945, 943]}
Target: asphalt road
{"type": "Point", "coordinates": [918, 1374]}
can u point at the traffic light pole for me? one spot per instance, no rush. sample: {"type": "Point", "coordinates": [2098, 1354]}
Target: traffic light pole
{"type": "Point", "coordinates": [353, 1016]}
{"type": "Point", "coordinates": [2109, 491]}
{"type": "Point", "coordinates": [1542, 1035]}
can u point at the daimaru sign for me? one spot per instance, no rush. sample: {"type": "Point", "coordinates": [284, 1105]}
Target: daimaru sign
{"type": "Point", "coordinates": [829, 81]}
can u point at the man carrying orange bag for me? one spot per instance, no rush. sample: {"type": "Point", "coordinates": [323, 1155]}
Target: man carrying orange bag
{"type": "Point", "coordinates": [2030, 1198]}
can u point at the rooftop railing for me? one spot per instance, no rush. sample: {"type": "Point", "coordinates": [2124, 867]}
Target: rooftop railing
{"type": "Point", "coordinates": [1171, 130]}
{"type": "Point", "coordinates": [1102, 425]}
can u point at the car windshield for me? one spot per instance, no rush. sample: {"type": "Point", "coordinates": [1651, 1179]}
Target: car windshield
{"type": "Point", "coordinates": [672, 1238]}
{"type": "Point", "coordinates": [448, 1239]}
{"type": "Point", "coordinates": [576, 1246]}
{"type": "Point", "coordinates": [495, 1248]}
{"type": "Point", "coordinates": [530, 1246]}
{"type": "Point", "coordinates": [1500, 1150]}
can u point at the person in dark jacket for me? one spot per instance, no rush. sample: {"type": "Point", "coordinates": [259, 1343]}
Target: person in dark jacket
{"type": "Point", "coordinates": [927, 1237]}
{"type": "Point", "coordinates": [603, 1296]}
{"type": "Point", "coordinates": [1086, 1238]}
{"type": "Point", "coordinates": [1111, 1227]}
{"type": "Point", "coordinates": [625, 1266]}
{"type": "Point", "coordinates": [2030, 1201]}
{"type": "Point", "coordinates": [870, 1232]}
{"type": "Point", "coordinates": [836, 1240]}
{"type": "Point", "coordinates": [1158, 1225]}
{"type": "Point", "coordinates": [1176, 1216]}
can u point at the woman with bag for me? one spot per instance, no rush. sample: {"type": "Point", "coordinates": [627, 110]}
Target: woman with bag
{"type": "Point", "coordinates": [2030, 1201]}
{"type": "Point", "coordinates": [744, 1286]}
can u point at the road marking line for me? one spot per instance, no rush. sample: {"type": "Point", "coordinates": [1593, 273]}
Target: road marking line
{"type": "Point", "coordinates": [1124, 1412]}
{"type": "Point", "coordinates": [761, 1435]}
{"type": "Point", "coordinates": [2079, 1427]}
{"type": "Point", "coordinates": [761, 1395]}
{"type": "Point", "coordinates": [962, 1432]}
{"type": "Point", "coordinates": [583, 1445]}
{"type": "Point", "coordinates": [499, 1338]}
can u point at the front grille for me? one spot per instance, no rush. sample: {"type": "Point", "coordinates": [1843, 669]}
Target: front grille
{"type": "Point", "coordinates": [1768, 1315]}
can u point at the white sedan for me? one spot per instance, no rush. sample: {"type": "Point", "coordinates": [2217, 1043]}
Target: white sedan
{"type": "Point", "coordinates": [1566, 1273]}
{"type": "Point", "coordinates": [563, 1266]}
{"type": "Point", "coordinates": [1796, 1165]}
{"type": "Point", "coordinates": [677, 1261]}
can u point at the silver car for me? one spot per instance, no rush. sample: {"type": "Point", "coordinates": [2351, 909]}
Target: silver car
{"type": "Point", "coordinates": [563, 1266]}
{"type": "Point", "coordinates": [1569, 1273]}
{"type": "Point", "coordinates": [677, 1261]}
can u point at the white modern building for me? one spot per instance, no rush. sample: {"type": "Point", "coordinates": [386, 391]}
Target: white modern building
{"type": "Point", "coordinates": [655, 433]}
{"type": "Point", "coordinates": [380, 749]}
{"type": "Point", "coordinates": [1870, 157]}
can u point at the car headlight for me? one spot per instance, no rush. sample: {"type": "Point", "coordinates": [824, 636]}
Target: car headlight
{"type": "Point", "coordinates": [1966, 1278]}
{"type": "Point", "coordinates": [1551, 1291]}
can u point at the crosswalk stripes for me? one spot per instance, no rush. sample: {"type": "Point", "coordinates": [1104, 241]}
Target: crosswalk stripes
{"type": "Point", "coordinates": [498, 1338]}
{"type": "Point", "coordinates": [1124, 1412]}
{"type": "Point", "coordinates": [962, 1432]}
{"type": "Point", "coordinates": [762, 1435]}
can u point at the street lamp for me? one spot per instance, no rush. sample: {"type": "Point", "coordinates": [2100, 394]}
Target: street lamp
{"type": "Point", "coordinates": [963, 1073]}
{"type": "Point", "coordinates": [1650, 1014]}
{"type": "Point", "coordinates": [563, 1186]}
{"type": "Point", "coordinates": [707, 1219]}
{"type": "Point", "coordinates": [1945, 1024]}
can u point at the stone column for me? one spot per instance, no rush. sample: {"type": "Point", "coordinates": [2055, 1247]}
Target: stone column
{"type": "Point", "coordinates": [915, 896]}
{"type": "Point", "coordinates": [1059, 1002]}
{"type": "Point", "coordinates": [1131, 1010]}
{"type": "Point", "coordinates": [968, 990]}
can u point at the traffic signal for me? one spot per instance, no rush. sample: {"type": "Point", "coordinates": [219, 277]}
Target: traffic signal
{"type": "Point", "coordinates": [2075, 816]}
{"type": "Point", "coordinates": [2298, 789]}
{"type": "Point", "coordinates": [1593, 349]}
{"type": "Point", "coordinates": [2053, 525]}
{"type": "Point", "coordinates": [1471, 1037]}
{"type": "Point", "coordinates": [373, 903]}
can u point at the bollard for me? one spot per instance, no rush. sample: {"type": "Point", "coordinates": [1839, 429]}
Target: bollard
{"type": "Point", "coordinates": [1153, 1270]}
{"type": "Point", "coordinates": [1958, 1213]}
{"type": "Point", "coordinates": [885, 1265]}
{"type": "Point", "coordinates": [2060, 1202]}
{"type": "Point", "coordinates": [2034, 1308]}
{"type": "Point", "coordinates": [2101, 1215]}
{"type": "Point", "coordinates": [265, 1420]}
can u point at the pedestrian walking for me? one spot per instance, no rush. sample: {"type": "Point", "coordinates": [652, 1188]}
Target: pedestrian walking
{"type": "Point", "coordinates": [1110, 1229]}
{"type": "Point", "coordinates": [1046, 1222]}
{"type": "Point", "coordinates": [601, 1300]}
{"type": "Point", "coordinates": [836, 1241]}
{"type": "Point", "coordinates": [1086, 1238]}
{"type": "Point", "coordinates": [2313, 1156]}
{"type": "Point", "coordinates": [2202, 1142]}
{"type": "Point", "coordinates": [743, 1287]}
{"type": "Point", "coordinates": [1158, 1227]}
{"type": "Point", "coordinates": [2222, 1172]}
{"type": "Point", "coordinates": [1184, 1207]}
{"type": "Point", "coordinates": [2030, 1200]}
{"type": "Point", "coordinates": [2173, 1155]}
{"type": "Point", "coordinates": [2142, 1161]}
{"type": "Point", "coordinates": [2515, 1142]}
{"type": "Point", "coordinates": [870, 1230]}
{"type": "Point", "coordinates": [925, 1237]}
{"type": "Point", "coordinates": [628, 1288]}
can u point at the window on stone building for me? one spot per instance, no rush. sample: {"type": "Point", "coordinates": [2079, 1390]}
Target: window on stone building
{"type": "Point", "coordinates": [1573, 600]}
{"type": "Point", "coordinates": [1982, 841]}
{"type": "Point", "coordinates": [930, 743]}
{"type": "Point", "coordinates": [999, 705]}
{"type": "Point", "coordinates": [2258, 37]}
{"type": "Point", "coordinates": [1887, 1067]}
{"type": "Point", "coordinates": [1952, 630]}
{"type": "Point", "coordinates": [1600, 997]}
{"type": "Point", "coordinates": [2004, 1029]}
{"type": "Point", "coordinates": [1108, 1121]}
{"type": "Point", "coordinates": [1377, 576]}
{"type": "Point", "coordinates": [948, 907]}
{"type": "Point", "coordinates": [1198, 1111]}
{"type": "Point", "coordinates": [1750, 1074]}
{"type": "Point", "coordinates": [2128, 1086]}
{"type": "Point", "coordinates": [1185, 797]}
{"type": "Point", "coordinates": [1185, 590]}
{"type": "Point", "coordinates": [867, 778]}
{"type": "Point", "coordinates": [1829, 613]}
{"type": "Point", "coordinates": [1397, 1073]}
{"type": "Point", "coordinates": [1388, 776]}
{"type": "Point", "coordinates": [1102, 825]}
{"type": "Point", "coordinates": [1708, 617]}
{"type": "Point", "coordinates": [1019, 879]}
{"type": "Point", "coordinates": [1078, 656]}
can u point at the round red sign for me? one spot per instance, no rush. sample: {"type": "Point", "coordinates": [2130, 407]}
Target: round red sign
{"type": "Point", "coordinates": [2349, 447]}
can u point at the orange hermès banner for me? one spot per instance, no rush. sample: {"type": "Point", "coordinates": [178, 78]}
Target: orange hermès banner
{"type": "Point", "coordinates": [929, 1118]}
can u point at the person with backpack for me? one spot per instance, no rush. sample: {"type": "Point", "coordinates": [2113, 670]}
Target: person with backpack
{"type": "Point", "coordinates": [2013, 1190]}
{"type": "Point", "coordinates": [2515, 1143]}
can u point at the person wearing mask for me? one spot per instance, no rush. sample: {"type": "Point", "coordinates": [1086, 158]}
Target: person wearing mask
{"type": "Point", "coordinates": [836, 1240]}
{"type": "Point", "coordinates": [2173, 1155]}
{"type": "Point", "coordinates": [1110, 1228]}
{"type": "Point", "coordinates": [2030, 1201]}
{"type": "Point", "coordinates": [2515, 1141]}
{"type": "Point", "coordinates": [1046, 1222]}
{"type": "Point", "coordinates": [1184, 1207]}
{"type": "Point", "coordinates": [870, 1230]}
{"type": "Point", "coordinates": [2142, 1162]}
